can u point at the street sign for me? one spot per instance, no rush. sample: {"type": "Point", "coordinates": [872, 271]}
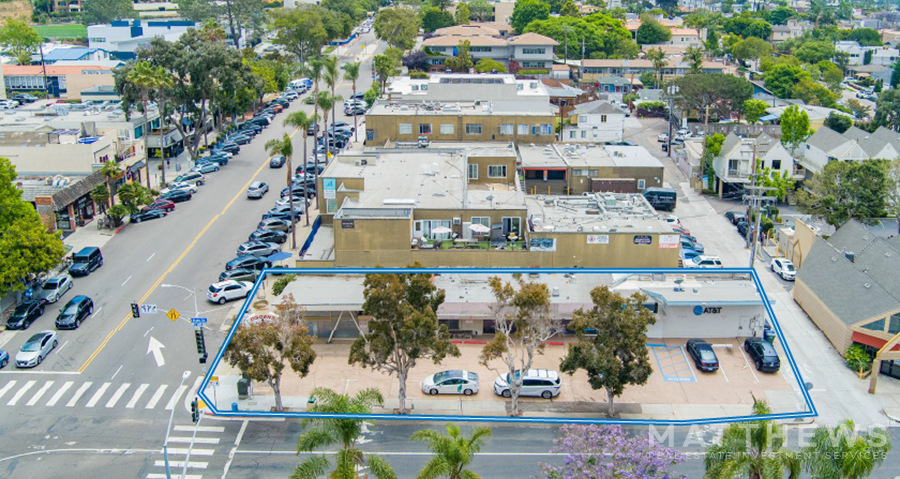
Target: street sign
{"type": "Point", "coordinates": [214, 379]}
{"type": "Point", "coordinates": [173, 315]}
{"type": "Point", "coordinates": [198, 321]}
{"type": "Point", "coordinates": [148, 309]}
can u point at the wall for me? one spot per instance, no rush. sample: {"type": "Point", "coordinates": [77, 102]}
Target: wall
{"type": "Point", "coordinates": [63, 159]}
{"type": "Point", "coordinates": [387, 235]}
{"type": "Point", "coordinates": [731, 322]}
{"type": "Point", "coordinates": [77, 82]}
{"type": "Point", "coordinates": [484, 161]}
{"type": "Point", "coordinates": [804, 237]}
{"type": "Point", "coordinates": [386, 127]}
{"type": "Point", "coordinates": [651, 176]}
{"type": "Point", "coordinates": [835, 330]}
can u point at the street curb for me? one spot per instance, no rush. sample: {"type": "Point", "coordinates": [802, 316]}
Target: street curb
{"type": "Point", "coordinates": [892, 418]}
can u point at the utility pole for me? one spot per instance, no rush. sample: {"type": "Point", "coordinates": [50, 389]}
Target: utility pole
{"type": "Point", "coordinates": [757, 199]}
{"type": "Point", "coordinates": [672, 91]}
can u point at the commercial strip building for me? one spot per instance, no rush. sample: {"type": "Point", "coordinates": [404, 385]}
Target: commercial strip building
{"type": "Point", "coordinates": [705, 304]}
{"type": "Point", "coordinates": [463, 205]}
{"type": "Point", "coordinates": [62, 81]}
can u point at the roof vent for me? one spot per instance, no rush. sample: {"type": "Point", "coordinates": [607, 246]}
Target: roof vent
{"type": "Point", "coordinates": [868, 285]}
{"type": "Point", "coordinates": [851, 256]}
{"type": "Point", "coordinates": [555, 292]}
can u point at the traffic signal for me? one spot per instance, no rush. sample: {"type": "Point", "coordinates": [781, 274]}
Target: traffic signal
{"type": "Point", "coordinates": [195, 411]}
{"type": "Point", "coordinates": [135, 310]}
{"type": "Point", "coordinates": [201, 345]}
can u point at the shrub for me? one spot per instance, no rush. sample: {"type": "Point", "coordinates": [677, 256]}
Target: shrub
{"type": "Point", "coordinates": [281, 283]}
{"type": "Point", "coordinates": [533, 72]}
{"type": "Point", "coordinates": [418, 74]}
{"type": "Point", "coordinates": [857, 359]}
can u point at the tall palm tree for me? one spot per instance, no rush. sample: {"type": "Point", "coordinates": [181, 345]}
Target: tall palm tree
{"type": "Point", "coordinates": [332, 75]}
{"type": "Point", "coordinates": [343, 432]}
{"type": "Point", "coordinates": [313, 71]}
{"type": "Point", "coordinates": [325, 102]}
{"type": "Point", "coordinates": [302, 121]}
{"type": "Point", "coordinates": [694, 56]}
{"type": "Point", "coordinates": [285, 148]}
{"type": "Point", "coordinates": [752, 449]}
{"type": "Point", "coordinates": [840, 453]}
{"type": "Point", "coordinates": [351, 74]}
{"type": "Point", "coordinates": [452, 453]}
{"type": "Point", "coordinates": [145, 77]}
{"type": "Point", "coordinates": [164, 80]}
{"type": "Point", "coordinates": [111, 171]}
{"type": "Point", "coordinates": [211, 31]}
{"type": "Point", "coordinates": [658, 58]}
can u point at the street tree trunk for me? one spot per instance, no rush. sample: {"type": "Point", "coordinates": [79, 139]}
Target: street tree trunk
{"type": "Point", "coordinates": [275, 383]}
{"type": "Point", "coordinates": [162, 144]}
{"type": "Point", "coordinates": [611, 411]}
{"type": "Point", "coordinates": [315, 151]}
{"type": "Point", "coordinates": [290, 184]}
{"type": "Point", "coordinates": [146, 134]}
{"type": "Point", "coordinates": [401, 377]}
{"type": "Point", "coordinates": [355, 126]}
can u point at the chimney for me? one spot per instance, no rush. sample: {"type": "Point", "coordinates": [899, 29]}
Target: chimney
{"type": "Point", "coordinates": [851, 256]}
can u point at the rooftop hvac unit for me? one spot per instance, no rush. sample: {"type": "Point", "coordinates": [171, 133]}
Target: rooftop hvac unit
{"type": "Point", "coordinates": [555, 292]}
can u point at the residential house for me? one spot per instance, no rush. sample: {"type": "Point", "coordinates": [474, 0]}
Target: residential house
{"type": "Point", "coordinates": [595, 122]}
{"type": "Point", "coordinates": [817, 114]}
{"type": "Point", "coordinates": [783, 33]}
{"type": "Point", "coordinates": [826, 145]}
{"type": "Point", "coordinates": [566, 97]}
{"type": "Point", "coordinates": [883, 56]}
{"type": "Point", "coordinates": [592, 70]}
{"type": "Point", "coordinates": [871, 144]}
{"type": "Point", "coordinates": [683, 38]}
{"type": "Point", "coordinates": [530, 51]}
{"type": "Point", "coordinates": [735, 162]}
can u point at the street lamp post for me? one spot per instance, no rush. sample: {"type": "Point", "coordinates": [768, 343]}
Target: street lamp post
{"type": "Point", "coordinates": [184, 376]}
{"type": "Point", "coordinates": [672, 91]}
{"type": "Point", "coordinates": [189, 290]}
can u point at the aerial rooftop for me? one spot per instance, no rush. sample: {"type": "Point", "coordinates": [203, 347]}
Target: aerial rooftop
{"type": "Point", "coordinates": [579, 156]}
{"type": "Point", "coordinates": [597, 212]}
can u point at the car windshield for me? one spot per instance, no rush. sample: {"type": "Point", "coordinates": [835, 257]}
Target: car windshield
{"type": "Point", "coordinates": [21, 310]}
{"type": "Point", "coordinates": [789, 267]}
{"type": "Point", "coordinates": [214, 289]}
{"type": "Point", "coordinates": [50, 285]}
{"type": "Point", "coordinates": [71, 309]}
{"type": "Point", "coordinates": [472, 377]}
{"type": "Point", "coordinates": [81, 259]}
{"type": "Point", "coordinates": [31, 346]}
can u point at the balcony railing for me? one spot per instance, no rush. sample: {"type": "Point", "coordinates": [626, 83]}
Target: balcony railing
{"type": "Point", "coordinates": [472, 244]}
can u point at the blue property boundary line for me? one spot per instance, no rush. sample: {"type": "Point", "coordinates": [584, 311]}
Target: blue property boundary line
{"type": "Point", "coordinates": [810, 407]}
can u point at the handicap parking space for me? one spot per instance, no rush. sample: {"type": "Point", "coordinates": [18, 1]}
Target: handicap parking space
{"type": "Point", "coordinates": [672, 363]}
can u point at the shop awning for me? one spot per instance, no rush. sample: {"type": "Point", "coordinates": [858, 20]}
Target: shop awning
{"type": "Point", "coordinates": [876, 343]}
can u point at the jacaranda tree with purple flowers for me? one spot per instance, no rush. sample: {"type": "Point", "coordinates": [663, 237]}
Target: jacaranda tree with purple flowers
{"type": "Point", "coordinates": [596, 451]}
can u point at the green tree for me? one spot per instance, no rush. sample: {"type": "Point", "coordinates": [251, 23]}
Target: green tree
{"type": "Point", "coordinates": [694, 57]}
{"type": "Point", "coordinates": [198, 10]}
{"type": "Point", "coordinates": [795, 130]}
{"type": "Point", "coordinates": [838, 122]}
{"type": "Point", "coordinates": [867, 37]}
{"type": "Point", "coordinates": [713, 94]}
{"type": "Point", "coordinates": [752, 449]}
{"type": "Point", "coordinates": [385, 67]}
{"type": "Point", "coordinates": [326, 102]}
{"type": "Point", "coordinates": [815, 51]}
{"type": "Point", "coordinates": [527, 11]}
{"type": "Point", "coordinates": [847, 190]}
{"type": "Point", "coordinates": [404, 327]}
{"type": "Point", "coordinates": [434, 18]}
{"type": "Point", "coordinates": [111, 172]}
{"type": "Point", "coordinates": [28, 248]}
{"type": "Point", "coordinates": [658, 58]}
{"type": "Point", "coordinates": [843, 453]}
{"type": "Point", "coordinates": [285, 148]}
{"type": "Point", "coordinates": [895, 75]}
{"type": "Point", "coordinates": [302, 121]}
{"type": "Point", "coordinates": [105, 11]}
{"type": "Point", "coordinates": [442, 4]}
{"type": "Point", "coordinates": [781, 183]}
{"type": "Point", "coordinates": [462, 14]}
{"type": "Point", "coordinates": [813, 93]}
{"type": "Point", "coordinates": [887, 109]}
{"type": "Point", "coordinates": [569, 9]}
{"type": "Point", "coordinates": [100, 195]}
{"type": "Point", "coordinates": [331, 73]}
{"type": "Point", "coordinates": [303, 30]}
{"type": "Point", "coordinates": [397, 26]}
{"type": "Point", "coordinates": [133, 196]}
{"type": "Point", "coordinates": [781, 78]}
{"type": "Point", "coordinates": [751, 49]}
{"type": "Point", "coordinates": [146, 78]}
{"type": "Point", "coordinates": [857, 359]}
{"type": "Point", "coordinates": [322, 432]}
{"type": "Point", "coordinates": [842, 60]}
{"type": "Point", "coordinates": [714, 144]}
{"type": "Point", "coordinates": [453, 453]}
{"type": "Point", "coordinates": [19, 40]}
{"type": "Point", "coordinates": [651, 31]}
{"type": "Point", "coordinates": [781, 15]}
{"type": "Point", "coordinates": [351, 74]}
{"type": "Point", "coordinates": [488, 65]}
{"type": "Point", "coordinates": [859, 110]}
{"type": "Point", "coordinates": [462, 62]}
{"type": "Point", "coordinates": [712, 42]}
{"type": "Point", "coordinates": [602, 36]}
{"type": "Point", "coordinates": [649, 80]}
{"type": "Point", "coordinates": [618, 357]}
{"type": "Point", "coordinates": [754, 110]}
{"type": "Point", "coordinates": [831, 75]}
{"type": "Point", "coordinates": [481, 10]}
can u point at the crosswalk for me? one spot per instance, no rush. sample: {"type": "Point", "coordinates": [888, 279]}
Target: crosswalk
{"type": "Point", "coordinates": [90, 394]}
{"type": "Point", "coordinates": [201, 454]}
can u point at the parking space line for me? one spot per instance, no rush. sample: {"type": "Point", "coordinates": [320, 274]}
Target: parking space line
{"type": "Point", "coordinates": [97, 312]}
{"type": "Point", "coordinates": [60, 348]}
{"type": "Point", "coordinates": [751, 368]}
{"type": "Point", "coordinates": [671, 361]}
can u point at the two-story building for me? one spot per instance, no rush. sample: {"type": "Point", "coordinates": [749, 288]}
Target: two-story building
{"type": "Point", "coordinates": [592, 70]}
{"type": "Point", "coordinates": [594, 122]}
{"type": "Point", "coordinates": [530, 51]}
{"type": "Point", "coordinates": [826, 145]}
{"type": "Point", "coordinates": [734, 165]}
{"type": "Point", "coordinates": [883, 56]}
{"type": "Point", "coordinates": [123, 37]}
{"type": "Point", "coordinates": [60, 81]}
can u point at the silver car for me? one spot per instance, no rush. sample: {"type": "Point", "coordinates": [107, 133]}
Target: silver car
{"type": "Point", "coordinates": [257, 189]}
{"type": "Point", "coordinates": [451, 382]}
{"type": "Point", "coordinates": [53, 289]}
{"type": "Point", "coordinates": [257, 248]}
{"type": "Point", "coordinates": [36, 349]}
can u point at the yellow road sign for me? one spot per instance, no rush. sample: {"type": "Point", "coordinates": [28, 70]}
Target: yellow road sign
{"type": "Point", "coordinates": [214, 379]}
{"type": "Point", "coordinates": [173, 315]}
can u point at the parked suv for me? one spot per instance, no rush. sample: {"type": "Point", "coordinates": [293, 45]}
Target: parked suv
{"type": "Point", "coordinates": [228, 290]}
{"type": "Point", "coordinates": [536, 383]}
{"type": "Point", "coordinates": [86, 261]}
{"type": "Point", "coordinates": [762, 354]}
{"type": "Point", "coordinates": [193, 178]}
{"type": "Point", "coordinates": [76, 311]}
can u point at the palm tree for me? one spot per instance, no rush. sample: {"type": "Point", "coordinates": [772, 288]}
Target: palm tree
{"type": "Point", "coordinates": [658, 58]}
{"type": "Point", "coordinates": [343, 432]}
{"type": "Point", "coordinates": [285, 148]}
{"type": "Point", "coordinates": [211, 31]}
{"type": "Point", "coordinates": [325, 102]}
{"type": "Point", "coordinates": [352, 74]}
{"type": "Point", "coordinates": [134, 195]}
{"type": "Point", "coordinates": [146, 78]}
{"type": "Point", "coordinates": [694, 56]}
{"type": "Point", "coordinates": [452, 453]}
{"type": "Point", "coordinates": [331, 75]}
{"type": "Point", "coordinates": [313, 71]}
{"type": "Point", "coordinates": [303, 121]}
{"type": "Point", "coordinates": [111, 171]}
{"type": "Point", "coordinates": [744, 452]}
{"type": "Point", "coordinates": [840, 453]}
{"type": "Point", "coordinates": [100, 195]}
{"type": "Point", "coordinates": [164, 80]}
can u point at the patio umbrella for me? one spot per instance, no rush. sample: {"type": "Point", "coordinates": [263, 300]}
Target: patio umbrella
{"type": "Point", "coordinates": [479, 228]}
{"type": "Point", "coordinates": [441, 230]}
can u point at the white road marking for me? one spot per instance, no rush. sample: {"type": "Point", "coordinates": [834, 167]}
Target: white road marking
{"type": "Point", "coordinates": [237, 442]}
{"type": "Point", "coordinates": [20, 393]}
{"type": "Point", "coordinates": [174, 399]}
{"type": "Point", "coordinates": [118, 395]}
{"type": "Point", "coordinates": [194, 452]}
{"type": "Point", "coordinates": [60, 348]}
{"type": "Point", "coordinates": [200, 428]}
{"type": "Point", "coordinates": [97, 395]}
{"type": "Point", "coordinates": [192, 393]}
{"type": "Point", "coordinates": [751, 368]}
{"type": "Point", "coordinates": [156, 396]}
{"type": "Point", "coordinates": [80, 392]}
{"type": "Point", "coordinates": [117, 372]}
{"type": "Point", "coordinates": [72, 373]}
{"type": "Point", "coordinates": [37, 396]}
{"type": "Point", "coordinates": [137, 395]}
{"type": "Point", "coordinates": [59, 394]}
{"type": "Point", "coordinates": [197, 440]}
{"type": "Point", "coordinates": [6, 336]}
{"type": "Point", "coordinates": [7, 387]}
{"type": "Point", "coordinates": [151, 256]}
{"type": "Point", "coordinates": [148, 331]}
{"type": "Point", "coordinates": [123, 282]}
{"type": "Point", "coordinates": [163, 476]}
{"type": "Point", "coordinates": [97, 312]}
{"type": "Point", "coordinates": [191, 464]}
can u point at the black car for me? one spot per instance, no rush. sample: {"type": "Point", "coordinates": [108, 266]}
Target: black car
{"type": "Point", "coordinates": [239, 274]}
{"type": "Point", "coordinates": [177, 196]}
{"type": "Point", "coordinates": [232, 148]}
{"type": "Point", "coordinates": [76, 311]}
{"type": "Point", "coordinates": [215, 159]}
{"type": "Point", "coordinates": [277, 161]}
{"type": "Point", "coordinates": [24, 98]}
{"type": "Point", "coordinates": [241, 139]}
{"type": "Point", "coordinates": [762, 354]}
{"type": "Point", "coordinates": [25, 314]}
{"type": "Point", "coordinates": [736, 217]}
{"type": "Point", "coordinates": [268, 236]}
{"type": "Point", "coordinates": [248, 262]}
{"type": "Point", "coordinates": [148, 215]}
{"type": "Point", "coordinates": [704, 357]}
{"type": "Point", "coordinates": [742, 228]}
{"type": "Point", "coordinates": [282, 215]}
{"type": "Point", "coordinates": [252, 127]}
{"type": "Point", "coordinates": [309, 168]}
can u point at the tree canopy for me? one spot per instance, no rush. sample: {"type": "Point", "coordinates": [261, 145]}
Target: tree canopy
{"type": "Point", "coordinates": [716, 93]}
{"type": "Point", "coordinates": [434, 18]}
{"type": "Point", "coordinates": [527, 11]}
{"type": "Point", "coordinates": [105, 11]}
{"type": "Point", "coordinates": [794, 124]}
{"type": "Point", "coordinates": [397, 26]}
{"type": "Point", "coordinates": [846, 190]}
{"type": "Point", "coordinates": [603, 36]}
{"type": "Point", "coordinates": [19, 40]}
{"type": "Point", "coordinates": [651, 31]}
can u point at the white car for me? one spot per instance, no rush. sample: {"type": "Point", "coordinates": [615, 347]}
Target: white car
{"type": "Point", "coordinates": [8, 104]}
{"type": "Point", "coordinates": [663, 137]}
{"type": "Point", "coordinates": [784, 268]}
{"type": "Point", "coordinates": [683, 134]}
{"type": "Point", "coordinates": [704, 261]}
{"type": "Point", "coordinates": [227, 290]}
{"type": "Point", "coordinates": [672, 219]}
{"type": "Point", "coordinates": [451, 382]}
{"type": "Point", "coordinates": [36, 349]}
{"type": "Point", "coordinates": [180, 186]}
{"type": "Point", "coordinates": [536, 383]}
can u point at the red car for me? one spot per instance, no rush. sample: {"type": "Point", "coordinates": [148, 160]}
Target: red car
{"type": "Point", "coordinates": [681, 230]}
{"type": "Point", "coordinates": [164, 205]}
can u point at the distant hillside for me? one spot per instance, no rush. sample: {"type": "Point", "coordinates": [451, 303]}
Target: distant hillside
{"type": "Point", "coordinates": [15, 9]}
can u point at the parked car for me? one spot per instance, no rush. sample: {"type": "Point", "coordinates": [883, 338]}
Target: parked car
{"type": "Point", "coordinates": [451, 382]}
{"type": "Point", "coordinates": [219, 158]}
{"type": "Point", "coordinates": [276, 224]}
{"type": "Point", "coordinates": [241, 139]}
{"type": "Point", "coordinates": [239, 274]}
{"type": "Point", "coordinates": [688, 255]}
{"type": "Point", "coordinates": [536, 383]}
{"type": "Point", "coordinates": [299, 191]}
{"type": "Point", "coordinates": [297, 198]}
{"type": "Point", "coordinates": [734, 216]}
{"type": "Point", "coordinates": [285, 215]}
{"type": "Point", "coordinates": [148, 215]}
{"type": "Point", "coordinates": [228, 290]}
{"type": "Point", "coordinates": [277, 161]}
{"type": "Point", "coordinates": [355, 110]}
{"type": "Point", "coordinates": [86, 261]}
{"type": "Point", "coordinates": [76, 311]}
{"type": "Point", "coordinates": [193, 178]}
{"type": "Point", "coordinates": [248, 262]}
{"type": "Point", "coordinates": [683, 134]}
{"type": "Point", "coordinates": [4, 358]}
{"type": "Point", "coordinates": [232, 148]}
{"type": "Point", "coordinates": [703, 355]}
{"type": "Point", "coordinates": [762, 354]}
{"type": "Point", "coordinates": [663, 137]}
{"type": "Point", "coordinates": [164, 205]}
{"type": "Point", "coordinates": [298, 209]}
{"type": "Point", "coordinates": [704, 261]}
{"type": "Point", "coordinates": [177, 196]}
{"type": "Point", "coordinates": [742, 228]}
{"type": "Point", "coordinates": [341, 125]}
{"type": "Point", "coordinates": [25, 314]}
{"type": "Point", "coordinates": [257, 189]}
{"type": "Point", "coordinates": [190, 188]}
{"type": "Point", "coordinates": [269, 236]}
{"type": "Point", "coordinates": [258, 248]}
{"type": "Point", "coordinates": [36, 349]}
{"type": "Point", "coordinates": [784, 268]}
{"type": "Point", "coordinates": [23, 98]}
{"type": "Point", "coordinates": [54, 288]}
{"type": "Point", "coordinates": [688, 244]}
{"type": "Point", "coordinates": [207, 168]}
{"type": "Point", "coordinates": [8, 104]}
{"type": "Point", "coordinates": [680, 229]}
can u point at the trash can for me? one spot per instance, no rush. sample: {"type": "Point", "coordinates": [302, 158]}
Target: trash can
{"type": "Point", "coordinates": [234, 406]}
{"type": "Point", "coordinates": [769, 335]}
{"type": "Point", "coordinates": [243, 388]}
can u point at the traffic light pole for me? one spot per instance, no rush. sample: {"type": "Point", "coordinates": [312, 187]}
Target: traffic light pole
{"type": "Point", "coordinates": [184, 376]}
{"type": "Point", "coordinates": [190, 447]}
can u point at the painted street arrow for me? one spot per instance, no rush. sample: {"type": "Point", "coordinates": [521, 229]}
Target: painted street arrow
{"type": "Point", "coordinates": [156, 347]}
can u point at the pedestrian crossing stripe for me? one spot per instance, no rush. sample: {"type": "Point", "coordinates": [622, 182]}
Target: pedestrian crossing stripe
{"type": "Point", "coordinates": [37, 393]}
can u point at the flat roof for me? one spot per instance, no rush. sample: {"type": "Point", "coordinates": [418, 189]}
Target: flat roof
{"type": "Point", "coordinates": [580, 156]}
{"type": "Point", "coordinates": [595, 213]}
{"type": "Point", "coordinates": [459, 108]}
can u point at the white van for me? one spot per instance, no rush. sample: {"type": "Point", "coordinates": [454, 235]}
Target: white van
{"type": "Point", "coordinates": [300, 84]}
{"type": "Point", "coordinates": [536, 383]}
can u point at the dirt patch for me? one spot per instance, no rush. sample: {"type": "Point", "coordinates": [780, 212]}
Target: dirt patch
{"type": "Point", "coordinates": [15, 10]}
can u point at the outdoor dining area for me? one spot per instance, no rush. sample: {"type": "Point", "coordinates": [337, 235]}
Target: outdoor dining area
{"type": "Point", "coordinates": [480, 239]}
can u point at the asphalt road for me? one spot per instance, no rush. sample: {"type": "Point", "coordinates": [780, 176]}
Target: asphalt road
{"type": "Point", "coordinates": [102, 389]}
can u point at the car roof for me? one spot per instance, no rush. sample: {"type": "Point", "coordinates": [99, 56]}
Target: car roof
{"type": "Point", "coordinates": [227, 282]}
{"type": "Point", "coordinates": [39, 336]}
{"type": "Point", "coordinates": [78, 299]}
{"type": "Point", "coordinates": [710, 257]}
{"type": "Point", "coordinates": [256, 184]}
{"type": "Point", "coordinates": [541, 373]}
